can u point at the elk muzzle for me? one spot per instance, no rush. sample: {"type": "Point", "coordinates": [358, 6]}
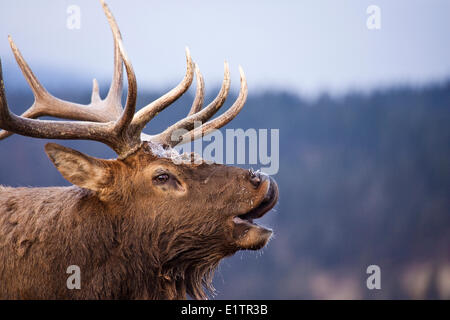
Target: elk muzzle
{"type": "Point", "coordinates": [247, 234]}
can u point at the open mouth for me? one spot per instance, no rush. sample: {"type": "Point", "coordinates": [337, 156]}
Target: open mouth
{"type": "Point", "coordinates": [266, 204]}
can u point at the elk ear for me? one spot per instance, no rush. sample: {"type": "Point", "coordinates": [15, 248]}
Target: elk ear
{"type": "Point", "coordinates": [78, 168]}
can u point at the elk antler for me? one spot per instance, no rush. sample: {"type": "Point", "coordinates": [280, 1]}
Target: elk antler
{"type": "Point", "coordinates": [105, 120]}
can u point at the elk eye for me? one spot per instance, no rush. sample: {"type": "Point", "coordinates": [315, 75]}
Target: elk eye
{"type": "Point", "coordinates": [162, 178]}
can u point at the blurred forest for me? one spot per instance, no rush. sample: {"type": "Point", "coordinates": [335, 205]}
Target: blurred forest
{"type": "Point", "coordinates": [364, 179]}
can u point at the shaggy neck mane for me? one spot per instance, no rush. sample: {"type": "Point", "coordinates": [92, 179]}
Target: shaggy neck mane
{"type": "Point", "coordinates": [161, 259]}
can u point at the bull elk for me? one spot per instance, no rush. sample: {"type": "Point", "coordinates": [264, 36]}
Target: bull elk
{"type": "Point", "coordinates": [140, 226]}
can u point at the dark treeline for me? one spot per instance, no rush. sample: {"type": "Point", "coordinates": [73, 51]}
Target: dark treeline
{"type": "Point", "coordinates": [364, 179]}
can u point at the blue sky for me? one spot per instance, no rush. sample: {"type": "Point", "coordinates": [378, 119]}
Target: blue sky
{"type": "Point", "coordinates": [306, 46]}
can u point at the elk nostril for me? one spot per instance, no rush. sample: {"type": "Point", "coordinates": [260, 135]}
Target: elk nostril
{"type": "Point", "coordinates": [255, 178]}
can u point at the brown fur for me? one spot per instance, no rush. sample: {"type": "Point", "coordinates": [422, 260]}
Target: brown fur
{"type": "Point", "coordinates": [131, 238]}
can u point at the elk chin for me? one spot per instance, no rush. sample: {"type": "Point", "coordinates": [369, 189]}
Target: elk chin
{"type": "Point", "coordinates": [250, 236]}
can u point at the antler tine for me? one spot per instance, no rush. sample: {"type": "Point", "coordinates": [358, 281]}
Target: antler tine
{"type": "Point", "coordinates": [223, 119]}
{"type": "Point", "coordinates": [201, 116]}
{"type": "Point", "coordinates": [95, 96]}
{"type": "Point", "coordinates": [147, 113]}
{"type": "Point", "coordinates": [130, 106]}
{"type": "Point", "coordinates": [38, 90]}
{"type": "Point", "coordinates": [35, 85]}
{"type": "Point", "coordinates": [197, 105]}
{"type": "Point", "coordinates": [115, 90]}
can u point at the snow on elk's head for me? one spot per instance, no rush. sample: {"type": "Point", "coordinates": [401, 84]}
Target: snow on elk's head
{"type": "Point", "coordinates": [187, 214]}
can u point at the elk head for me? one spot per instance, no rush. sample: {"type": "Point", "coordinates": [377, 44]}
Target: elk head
{"type": "Point", "coordinates": [202, 212]}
